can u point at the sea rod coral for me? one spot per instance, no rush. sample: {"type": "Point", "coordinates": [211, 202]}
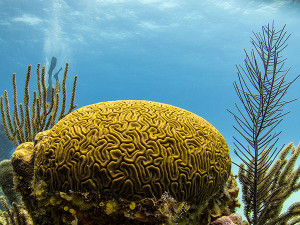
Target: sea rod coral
{"type": "Point", "coordinates": [24, 124]}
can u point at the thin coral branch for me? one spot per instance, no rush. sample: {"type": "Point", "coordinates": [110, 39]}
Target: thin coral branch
{"type": "Point", "coordinates": [17, 215]}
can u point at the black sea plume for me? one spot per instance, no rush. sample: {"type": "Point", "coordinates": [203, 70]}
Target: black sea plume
{"type": "Point", "coordinates": [261, 88]}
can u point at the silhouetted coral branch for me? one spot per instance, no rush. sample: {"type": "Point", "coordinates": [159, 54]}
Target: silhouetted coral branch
{"type": "Point", "coordinates": [261, 92]}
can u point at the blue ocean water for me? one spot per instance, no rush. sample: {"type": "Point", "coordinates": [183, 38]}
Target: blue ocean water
{"type": "Point", "coordinates": [182, 53]}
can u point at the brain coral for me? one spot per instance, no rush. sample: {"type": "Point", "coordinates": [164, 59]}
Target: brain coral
{"type": "Point", "coordinates": [133, 149]}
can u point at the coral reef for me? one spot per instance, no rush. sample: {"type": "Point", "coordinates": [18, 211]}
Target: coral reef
{"type": "Point", "coordinates": [138, 160]}
{"type": "Point", "coordinates": [23, 125]}
{"type": "Point", "coordinates": [6, 182]}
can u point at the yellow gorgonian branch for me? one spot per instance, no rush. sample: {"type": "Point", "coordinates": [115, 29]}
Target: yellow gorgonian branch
{"type": "Point", "coordinates": [26, 122]}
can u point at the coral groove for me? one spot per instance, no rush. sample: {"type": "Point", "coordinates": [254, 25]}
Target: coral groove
{"type": "Point", "coordinates": [133, 149]}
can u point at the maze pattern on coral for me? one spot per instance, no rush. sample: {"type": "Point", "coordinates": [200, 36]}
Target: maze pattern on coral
{"type": "Point", "coordinates": [133, 150]}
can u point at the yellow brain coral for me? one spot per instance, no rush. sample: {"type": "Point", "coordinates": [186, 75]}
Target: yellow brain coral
{"type": "Point", "coordinates": [132, 150]}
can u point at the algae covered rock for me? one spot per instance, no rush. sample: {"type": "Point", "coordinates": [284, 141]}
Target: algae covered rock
{"type": "Point", "coordinates": [130, 150]}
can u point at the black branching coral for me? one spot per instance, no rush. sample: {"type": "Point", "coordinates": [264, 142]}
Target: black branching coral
{"type": "Point", "coordinates": [261, 88]}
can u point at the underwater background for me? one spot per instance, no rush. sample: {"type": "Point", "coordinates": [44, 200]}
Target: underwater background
{"type": "Point", "coordinates": [182, 53]}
